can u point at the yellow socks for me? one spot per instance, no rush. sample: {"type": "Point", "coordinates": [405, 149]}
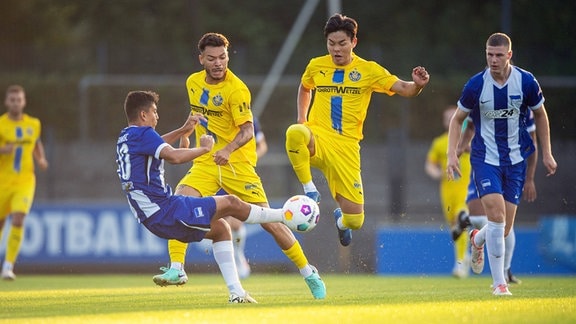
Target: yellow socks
{"type": "Point", "coordinates": [296, 255]}
{"type": "Point", "coordinates": [177, 251]}
{"type": "Point", "coordinates": [297, 139]}
{"type": "Point", "coordinates": [353, 221]}
{"type": "Point", "coordinates": [14, 243]}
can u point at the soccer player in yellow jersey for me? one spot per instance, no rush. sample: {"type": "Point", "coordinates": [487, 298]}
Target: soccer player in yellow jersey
{"type": "Point", "coordinates": [329, 138]}
{"type": "Point", "coordinates": [20, 145]}
{"type": "Point", "coordinates": [452, 193]}
{"type": "Point", "coordinates": [223, 101]}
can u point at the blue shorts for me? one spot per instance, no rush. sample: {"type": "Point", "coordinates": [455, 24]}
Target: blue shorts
{"type": "Point", "coordinates": [505, 180]}
{"type": "Point", "coordinates": [472, 191]}
{"type": "Point", "coordinates": [186, 219]}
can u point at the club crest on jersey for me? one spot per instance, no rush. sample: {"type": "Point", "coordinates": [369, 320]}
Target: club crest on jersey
{"type": "Point", "coordinates": [515, 101]}
{"type": "Point", "coordinates": [217, 100]}
{"type": "Point", "coordinates": [198, 212]}
{"type": "Point", "coordinates": [354, 76]}
{"type": "Point", "coordinates": [485, 183]}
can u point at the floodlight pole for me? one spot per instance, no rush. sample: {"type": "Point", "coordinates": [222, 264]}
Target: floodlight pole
{"type": "Point", "coordinates": [283, 57]}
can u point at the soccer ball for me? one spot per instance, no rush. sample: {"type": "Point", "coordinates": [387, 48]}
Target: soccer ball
{"type": "Point", "coordinates": [300, 213]}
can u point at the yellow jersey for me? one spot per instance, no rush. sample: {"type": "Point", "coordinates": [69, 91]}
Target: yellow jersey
{"type": "Point", "coordinates": [437, 155]}
{"type": "Point", "coordinates": [226, 106]}
{"type": "Point", "coordinates": [19, 164]}
{"type": "Point", "coordinates": [342, 93]}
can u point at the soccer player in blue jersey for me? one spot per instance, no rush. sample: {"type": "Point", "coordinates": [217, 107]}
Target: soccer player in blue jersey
{"type": "Point", "coordinates": [476, 216]}
{"type": "Point", "coordinates": [497, 100]}
{"type": "Point", "coordinates": [140, 155]}
{"type": "Point", "coordinates": [329, 138]}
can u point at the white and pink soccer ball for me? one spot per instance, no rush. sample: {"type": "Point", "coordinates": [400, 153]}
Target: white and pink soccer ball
{"type": "Point", "coordinates": [301, 213]}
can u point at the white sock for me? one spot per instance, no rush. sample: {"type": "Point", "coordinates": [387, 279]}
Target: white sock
{"type": "Point", "coordinates": [239, 240]}
{"type": "Point", "coordinates": [495, 251]}
{"type": "Point", "coordinates": [306, 271]}
{"type": "Point", "coordinates": [478, 221]}
{"type": "Point", "coordinates": [7, 266]}
{"type": "Point", "coordinates": [259, 215]}
{"type": "Point", "coordinates": [480, 237]}
{"type": "Point", "coordinates": [224, 256]}
{"type": "Point", "coordinates": [309, 186]}
{"type": "Point", "coordinates": [176, 265]}
{"type": "Point", "coordinates": [509, 243]}
{"type": "Point", "coordinates": [340, 224]}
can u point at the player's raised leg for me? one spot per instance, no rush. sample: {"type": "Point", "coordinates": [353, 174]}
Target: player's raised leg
{"type": "Point", "coordinates": [300, 147]}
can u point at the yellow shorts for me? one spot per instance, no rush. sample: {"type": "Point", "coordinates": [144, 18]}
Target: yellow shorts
{"type": "Point", "coordinates": [453, 196]}
{"type": "Point", "coordinates": [339, 161]}
{"type": "Point", "coordinates": [16, 197]}
{"type": "Point", "coordinates": [239, 178]}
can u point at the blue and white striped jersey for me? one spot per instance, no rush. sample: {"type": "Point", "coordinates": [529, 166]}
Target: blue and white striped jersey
{"type": "Point", "coordinates": [500, 114]}
{"type": "Point", "coordinates": [141, 171]}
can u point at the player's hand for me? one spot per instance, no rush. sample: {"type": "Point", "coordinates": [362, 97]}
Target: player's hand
{"type": "Point", "coordinates": [42, 164]}
{"type": "Point", "coordinates": [221, 157]}
{"type": "Point", "coordinates": [7, 149]}
{"type": "Point", "coordinates": [420, 76]}
{"type": "Point", "coordinates": [207, 141]}
{"type": "Point", "coordinates": [191, 122]}
{"type": "Point", "coordinates": [529, 191]}
{"type": "Point", "coordinates": [453, 167]}
{"type": "Point", "coordinates": [550, 164]}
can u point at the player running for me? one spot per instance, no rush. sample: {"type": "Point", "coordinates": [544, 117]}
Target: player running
{"type": "Point", "coordinates": [452, 193]}
{"type": "Point", "coordinates": [497, 99]}
{"type": "Point", "coordinates": [20, 145]}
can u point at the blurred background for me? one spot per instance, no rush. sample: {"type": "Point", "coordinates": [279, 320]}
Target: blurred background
{"type": "Point", "coordinates": [78, 59]}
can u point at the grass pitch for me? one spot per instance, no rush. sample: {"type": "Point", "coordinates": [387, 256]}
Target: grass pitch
{"type": "Point", "coordinates": [284, 299]}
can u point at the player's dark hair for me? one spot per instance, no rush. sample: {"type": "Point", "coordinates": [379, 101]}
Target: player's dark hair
{"type": "Point", "coordinates": [339, 22]}
{"type": "Point", "coordinates": [499, 39]}
{"type": "Point", "coordinates": [137, 101]}
{"type": "Point", "coordinates": [213, 40]}
{"type": "Point", "coordinates": [15, 88]}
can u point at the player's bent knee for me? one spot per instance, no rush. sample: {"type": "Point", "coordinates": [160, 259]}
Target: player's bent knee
{"type": "Point", "coordinates": [228, 204]}
{"type": "Point", "coordinates": [353, 221]}
{"type": "Point", "coordinates": [298, 133]}
{"type": "Point", "coordinates": [219, 230]}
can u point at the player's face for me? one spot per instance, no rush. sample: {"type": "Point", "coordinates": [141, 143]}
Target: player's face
{"type": "Point", "coordinates": [498, 59]}
{"type": "Point", "coordinates": [151, 116]}
{"type": "Point", "coordinates": [215, 62]}
{"type": "Point", "coordinates": [15, 102]}
{"type": "Point", "coordinates": [340, 47]}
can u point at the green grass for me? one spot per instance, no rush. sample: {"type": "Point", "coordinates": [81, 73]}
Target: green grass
{"type": "Point", "coordinates": [284, 299]}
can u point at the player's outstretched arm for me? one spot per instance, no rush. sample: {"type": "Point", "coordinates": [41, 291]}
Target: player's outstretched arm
{"type": "Point", "coordinates": [185, 130]}
{"type": "Point", "coordinates": [183, 155]}
{"type": "Point", "coordinates": [420, 79]}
